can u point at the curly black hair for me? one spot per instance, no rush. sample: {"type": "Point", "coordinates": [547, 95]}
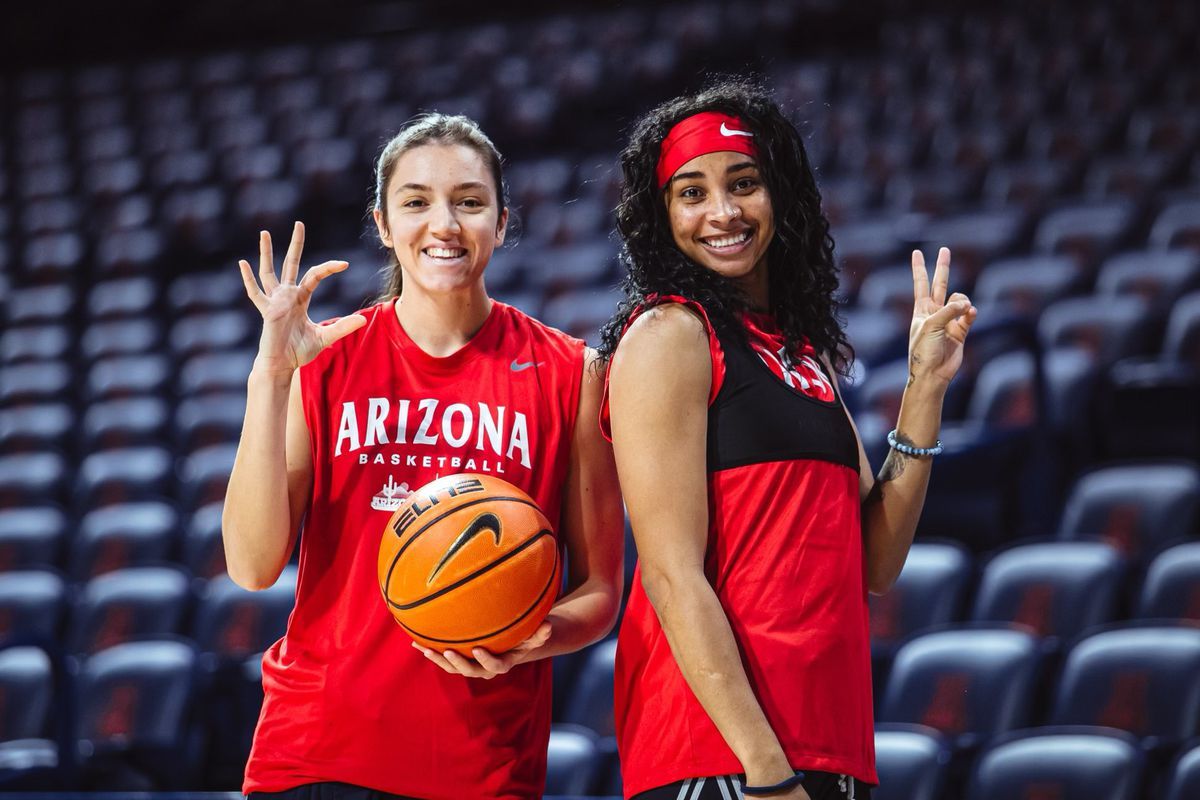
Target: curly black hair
{"type": "Point", "coordinates": [803, 275]}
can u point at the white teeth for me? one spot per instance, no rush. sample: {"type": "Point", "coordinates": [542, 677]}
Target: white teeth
{"type": "Point", "coordinates": [445, 252]}
{"type": "Point", "coordinates": [728, 241]}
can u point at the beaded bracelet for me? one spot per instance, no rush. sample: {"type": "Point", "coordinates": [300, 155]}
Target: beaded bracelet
{"type": "Point", "coordinates": [786, 783]}
{"type": "Point", "coordinates": [909, 450]}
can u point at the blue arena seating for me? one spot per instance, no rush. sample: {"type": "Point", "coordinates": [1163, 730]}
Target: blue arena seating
{"type": "Point", "coordinates": [1054, 148]}
{"type": "Point", "coordinates": [1054, 589]}
{"type": "Point", "coordinates": [912, 762]}
{"type": "Point", "coordinates": [1059, 763]}
{"type": "Point", "coordinates": [1139, 677]}
{"type": "Point", "coordinates": [968, 683]}
{"type": "Point", "coordinates": [1183, 780]}
{"type": "Point", "coordinates": [1171, 589]}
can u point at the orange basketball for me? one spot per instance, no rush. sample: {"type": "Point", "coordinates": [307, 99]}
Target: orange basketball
{"type": "Point", "coordinates": [469, 561]}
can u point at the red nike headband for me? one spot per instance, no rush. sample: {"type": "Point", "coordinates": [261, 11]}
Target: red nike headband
{"type": "Point", "coordinates": [699, 135]}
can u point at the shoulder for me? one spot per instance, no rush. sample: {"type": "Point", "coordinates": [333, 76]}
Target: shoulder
{"type": "Point", "coordinates": [666, 326]}
{"type": "Point", "coordinates": [540, 332]}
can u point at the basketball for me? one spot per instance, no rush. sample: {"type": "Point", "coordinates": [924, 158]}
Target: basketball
{"type": "Point", "coordinates": [469, 561]}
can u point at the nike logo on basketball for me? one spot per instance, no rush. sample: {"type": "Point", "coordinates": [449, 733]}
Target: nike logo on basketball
{"type": "Point", "coordinates": [484, 522]}
{"type": "Point", "coordinates": [517, 366]}
{"type": "Point", "coordinates": [730, 132]}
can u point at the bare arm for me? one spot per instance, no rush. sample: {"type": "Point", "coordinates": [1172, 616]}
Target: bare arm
{"type": "Point", "coordinates": [892, 502]}
{"type": "Point", "coordinates": [593, 527]}
{"type": "Point", "coordinates": [272, 473]}
{"type": "Point", "coordinates": [661, 376]}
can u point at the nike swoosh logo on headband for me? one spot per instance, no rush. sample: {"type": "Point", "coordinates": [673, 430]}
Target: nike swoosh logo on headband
{"type": "Point", "coordinates": [727, 132]}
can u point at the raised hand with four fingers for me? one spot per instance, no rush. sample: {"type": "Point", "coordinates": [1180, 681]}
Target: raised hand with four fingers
{"type": "Point", "coordinates": [289, 338]}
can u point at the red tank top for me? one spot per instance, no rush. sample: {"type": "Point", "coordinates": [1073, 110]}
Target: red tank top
{"type": "Point", "coordinates": [785, 559]}
{"type": "Point", "coordinates": [347, 698]}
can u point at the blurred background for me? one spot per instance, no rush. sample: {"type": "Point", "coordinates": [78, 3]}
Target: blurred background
{"type": "Point", "coordinates": [1043, 642]}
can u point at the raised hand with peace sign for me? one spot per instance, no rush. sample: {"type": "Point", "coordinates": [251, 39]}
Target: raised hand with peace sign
{"type": "Point", "coordinates": [939, 325]}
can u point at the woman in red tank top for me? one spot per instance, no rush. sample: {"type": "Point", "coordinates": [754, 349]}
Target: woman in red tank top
{"type": "Point", "coordinates": [743, 659]}
{"type": "Point", "coordinates": [342, 420]}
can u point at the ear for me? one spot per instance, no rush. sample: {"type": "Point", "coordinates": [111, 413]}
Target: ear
{"type": "Point", "coordinates": [501, 227]}
{"type": "Point", "coordinates": [385, 235]}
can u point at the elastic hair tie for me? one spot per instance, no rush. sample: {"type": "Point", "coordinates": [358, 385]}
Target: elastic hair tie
{"type": "Point", "coordinates": [909, 450]}
{"type": "Point", "coordinates": [786, 783]}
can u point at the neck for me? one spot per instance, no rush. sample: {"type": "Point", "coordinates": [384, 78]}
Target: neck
{"type": "Point", "coordinates": [756, 288]}
{"type": "Point", "coordinates": [441, 324]}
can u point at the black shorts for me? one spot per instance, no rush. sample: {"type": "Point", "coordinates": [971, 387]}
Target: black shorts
{"type": "Point", "coordinates": [819, 785]}
{"type": "Point", "coordinates": [327, 791]}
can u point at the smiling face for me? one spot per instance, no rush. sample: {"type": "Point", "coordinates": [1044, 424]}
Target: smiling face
{"type": "Point", "coordinates": [443, 219]}
{"type": "Point", "coordinates": [721, 218]}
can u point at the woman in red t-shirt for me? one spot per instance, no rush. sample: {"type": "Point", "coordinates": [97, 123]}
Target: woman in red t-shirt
{"type": "Point", "coordinates": [345, 419]}
{"type": "Point", "coordinates": [743, 663]}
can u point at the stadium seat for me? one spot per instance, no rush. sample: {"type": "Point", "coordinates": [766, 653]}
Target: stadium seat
{"type": "Point", "coordinates": [26, 693]}
{"type": "Point", "coordinates": [119, 338]}
{"type": "Point", "coordinates": [572, 760]}
{"type": "Point", "coordinates": [32, 722]}
{"type": "Point", "coordinates": [1183, 780]}
{"type": "Point", "coordinates": [124, 535]}
{"type": "Point", "coordinates": [876, 337]}
{"type": "Point", "coordinates": [912, 762]}
{"type": "Point", "coordinates": [974, 238]}
{"type": "Point", "coordinates": [1182, 339]}
{"type": "Point", "coordinates": [1141, 678]}
{"type": "Point", "coordinates": [582, 313]}
{"type": "Point", "coordinates": [204, 474]}
{"type": "Point", "coordinates": [1171, 589]}
{"type": "Point", "coordinates": [125, 422]}
{"type": "Point", "coordinates": [888, 290]}
{"type": "Point", "coordinates": [590, 703]}
{"type": "Point", "coordinates": [213, 292]}
{"type": "Point", "coordinates": [125, 376]}
{"type": "Point", "coordinates": [122, 297]}
{"type": "Point", "coordinates": [32, 605]}
{"type": "Point", "coordinates": [203, 549]}
{"type": "Point", "coordinates": [124, 475]}
{"type": "Point", "coordinates": [1146, 409]}
{"type": "Point", "coordinates": [213, 419]}
{"type": "Point", "coordinates": [1156, 277]}
{"type": "Point", "coordinates": [202, 331]}
{"type": "Point", "coordinates": [1030, 184]}
{"type": "Point", "coordinates": [1059, 763]}
{"type": "Point", "coordinates": [1177, 225]}
{"type": "Point", "coordinates": [1133, 176]}
{"type": "Point", "coordinates": [233, 623]}
{"type": "Point", "coordinates": [1005, 395]}
{"type": "Point", "coordinates": [1108, 328]}
{"type": "Point", "coordinates": [135, 702]}
{"type": "Point", "coordinates": [1137, 508]}
{"type": "Point", "coordinates": [36, 426]}
{"type": "Point", "coordinates": [929, 592]}
{"type": "Point", "coordinates": [969, 683]}
{"type": "Point", "coordinates": [44, 342]}
{"type": "Point", "coordinates": [1088, 231]}
{"type": "Point", "coordinates": [225, 372]}
{"type": "Point", "coordinates": [128, 604]}
{"type": "Point", "coordinates": [32, 478]}
{"type": "Point", "coordinates": [51, 303]}
{"type": "Point", "coordinates": [30, 536]}
{"type": "Point", "coordinates": [34, 381]}
{"type": "Point", "coordinates": [1053, 589]}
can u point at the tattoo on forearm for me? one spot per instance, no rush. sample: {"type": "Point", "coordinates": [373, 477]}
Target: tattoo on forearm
{"type": "Point", "coordinates": [893, 468]}
{"type": "Point", "coordinates": [914, 361]}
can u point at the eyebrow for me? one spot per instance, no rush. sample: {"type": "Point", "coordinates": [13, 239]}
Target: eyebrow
{"type": "Point", "coordinates": [732, 169]}
{"type": "Point", "coordinates": [420, 187]}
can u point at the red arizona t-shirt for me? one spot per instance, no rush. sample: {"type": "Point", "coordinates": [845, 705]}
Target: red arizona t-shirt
{"type": "Point", "coordinates": [347, 698]}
